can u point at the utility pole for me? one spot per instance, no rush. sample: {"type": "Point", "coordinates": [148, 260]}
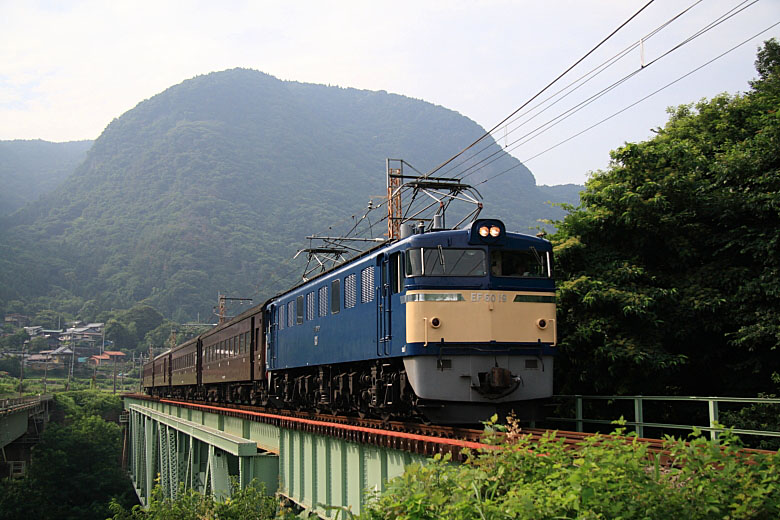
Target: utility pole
{"type": "Point", "coordinates": [115, 373]}
{"type": "Point", "coordinates": [45, 372]}
{"type": "Point", "coordinates": [223, 306]}
{"type": "Point", "coordinates": [72, 362]}
{"type": "Point", "coordinates": [21, 372]}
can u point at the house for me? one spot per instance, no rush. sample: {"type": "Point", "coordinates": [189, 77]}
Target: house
{"type": "Point", "coordinates": [89, 335]}
{"type": "Point", "coordinates": [40, 361]}
{"type": "Point", "coordinates": [34, 330]}
{"type": "Point", "coordinates": [52, 337]}
{"type": "Point", "coordinates": [115, 355]}
{"type": "Point", "coordinates": [17, 320]}
{"type": "Point", "coordinates": [109, 356]}
{"type": "Point", "coordinates": [61, 355]}
{"type": "Point", "coordinates": [99, 359]}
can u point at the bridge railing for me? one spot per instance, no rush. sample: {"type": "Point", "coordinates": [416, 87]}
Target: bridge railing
{"type": "Point", "coordinates": [8, 405]}
{"type": "Point", "coordinates": [639, 423]}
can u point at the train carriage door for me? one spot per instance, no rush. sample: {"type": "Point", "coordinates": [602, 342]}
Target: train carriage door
{"type": "Point", "coordinates": [396, 288]}
{"type": "Point", "coordinates": [383, 310]}
{"type": "Point", "coordinates": [272, 326]}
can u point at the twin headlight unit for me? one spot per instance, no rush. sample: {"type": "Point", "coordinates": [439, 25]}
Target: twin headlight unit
{"type": "Point", "coordinates": [493, 231]}
{"type": "Point", "coordinates": [487, 231]}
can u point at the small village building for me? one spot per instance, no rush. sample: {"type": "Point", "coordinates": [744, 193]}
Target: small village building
{"type": "Point", "coordinates": [34, 331]}
{"type": "Point", "coordinates": [40, 361]}
{"type": "Point", "coordinates": [17, 320]}
{"type": "Point", "coordinates": [99, 359]}
{"type": "Point", "coordinates": [61, 355]}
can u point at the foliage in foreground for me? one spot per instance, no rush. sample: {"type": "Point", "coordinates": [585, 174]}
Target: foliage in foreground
{"type": "Point", "coordinates": [606, 478]}
{"type": "Point", "coordinates": [250, 502]}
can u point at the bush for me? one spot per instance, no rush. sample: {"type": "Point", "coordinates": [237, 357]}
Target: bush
{"type": "Point", "coordinates": [605, 477]}
{"type": "Point", "coordinates": [250, 502]}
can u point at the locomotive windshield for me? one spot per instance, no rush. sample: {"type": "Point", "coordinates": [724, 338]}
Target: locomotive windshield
{"type": "Point", "coordinates": [520, 264]}
{"type": "Point", "coordinates": [440, 261]}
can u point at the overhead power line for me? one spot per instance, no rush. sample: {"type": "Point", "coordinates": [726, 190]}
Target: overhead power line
{"type": "Point", "coordinates": [633, 104]}
{"type": "Point", "coordinates": [489, 132]}
{"type": "Point", "coordinates": [498, 154]}
{"type": "Point", "coordinates": [573, 86]}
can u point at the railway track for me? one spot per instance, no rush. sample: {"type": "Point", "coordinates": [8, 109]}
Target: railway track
{"type": "Point", "coordinates": [424, 439]}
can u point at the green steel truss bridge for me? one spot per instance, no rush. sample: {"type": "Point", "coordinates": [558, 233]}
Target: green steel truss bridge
{"type": "Point", "coordinates": [321, 466]}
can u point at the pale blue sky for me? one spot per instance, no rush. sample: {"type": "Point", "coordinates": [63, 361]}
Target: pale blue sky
{"type": "Point", "coordinates": [68, 68]}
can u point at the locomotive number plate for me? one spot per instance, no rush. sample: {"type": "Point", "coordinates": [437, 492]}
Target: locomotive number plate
{"type": "Point", "coordinates": [487, 297]}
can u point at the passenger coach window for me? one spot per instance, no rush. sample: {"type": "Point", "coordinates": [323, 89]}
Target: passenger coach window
{"type": "Point", "coordinates": [335, 296]}
{"type": "Point", "coordinates": [439, 261]}
{"type": "Point", "coordinates": [519, 264]}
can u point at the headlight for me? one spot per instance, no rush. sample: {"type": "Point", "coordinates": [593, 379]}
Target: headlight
{"type": "Point", "coordinates": [494, 231]}
{"type": "Point", "coordinates": [484, 231]}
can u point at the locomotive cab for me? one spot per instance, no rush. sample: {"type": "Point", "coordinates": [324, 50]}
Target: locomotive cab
{"type": "Point", "coordinates": [480, 322]}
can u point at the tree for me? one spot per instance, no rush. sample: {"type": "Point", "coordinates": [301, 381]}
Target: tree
{"type": "Point", "coordinates": [76, 468]}
{"type": "Point", "coordinates": [75, 471]}
{"type": "Point", "coordinates": [117, 332]}
{"type": "Point", "coordinates": [670, 266]}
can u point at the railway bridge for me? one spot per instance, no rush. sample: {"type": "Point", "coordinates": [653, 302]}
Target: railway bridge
{"type": "Point", "coordinates": [21, 422]}
{"type": "Point", "coordinates": [323, 466]}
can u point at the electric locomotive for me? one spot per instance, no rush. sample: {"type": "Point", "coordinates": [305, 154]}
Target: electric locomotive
{"type": "Point", "coordinates": [450, 326]}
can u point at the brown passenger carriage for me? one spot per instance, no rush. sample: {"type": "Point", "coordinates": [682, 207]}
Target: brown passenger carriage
{"type": "Point", "coordinates": [184, 367]}
{"type": "Point", "coordinates": [148, 375]}
{"type": "Point", "coordinates": [161, 376]}
{"type": "Point", "coordinates": [230, 355]}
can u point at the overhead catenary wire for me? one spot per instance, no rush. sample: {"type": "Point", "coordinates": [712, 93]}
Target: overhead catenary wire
{"type": "Point", "coordinates": [498, 154]}
{"type": "Point", "coordinates": [500, 124]}
{"type": "Point", "coordinates": [632, 104]}
{"type": "Point", "coordinates": [576, 84]}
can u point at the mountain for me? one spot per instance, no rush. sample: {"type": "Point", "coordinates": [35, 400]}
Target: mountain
{"type": "Point", "coordinates": [29, 169]}
{"type": "Point", "coordinates": [211, 186]}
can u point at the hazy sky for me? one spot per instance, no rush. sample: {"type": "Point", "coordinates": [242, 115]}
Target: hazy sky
{"type": "Point", "coordinates": [67, 68]}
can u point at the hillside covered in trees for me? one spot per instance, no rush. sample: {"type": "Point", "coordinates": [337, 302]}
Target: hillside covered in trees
{"type": "Point", "coordinates": [669, 272]}
{"type": "Point", "coordinates": [28, 169]}
{"type": "Point", "coordinates": [212, 185]}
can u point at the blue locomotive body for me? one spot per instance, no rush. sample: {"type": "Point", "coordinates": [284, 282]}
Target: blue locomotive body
{"type": "Point", "coordinates": [444, 312]}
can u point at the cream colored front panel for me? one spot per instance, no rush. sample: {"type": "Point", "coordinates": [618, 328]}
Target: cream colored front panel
{"type": "Point", "coordinates": [480, 316]}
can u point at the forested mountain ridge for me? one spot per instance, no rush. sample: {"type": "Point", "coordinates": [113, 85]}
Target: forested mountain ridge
{"type": "Point", "coordinates": [29, 169]}
{"type": "Point", "coordinates": [211, 186]}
